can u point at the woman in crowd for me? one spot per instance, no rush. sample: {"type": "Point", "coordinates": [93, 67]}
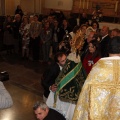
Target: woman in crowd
{"type": "Point", "coordinates": [84, 19]}
{"type": "Point", "coordinates": [56, 36]}
{"type": "Point", "coordinates": [8, 34]}
{"type": "Point", "coordinates": [31, 19]}
{"type": "Point", "coordinates": [76, 29]}
{"type": "Point", "coordinates": [24, 31]}
{"type": "Point", "coordinates": [17, 37]}
{"type": "Point", "coordinates": [83, 29]}
{"type": "Point", "coordinates": [92, 56]}
{"type": "Point", "coordinates": [46, 39]}
{"type": "Point", "coordinates": [19, 11]}
{"type": "Point", "coordinates": [65, 29]}
{"type": "Point", "coordinates": [35, 30]}
{"type": "Point", "coordinates": [95, 26]}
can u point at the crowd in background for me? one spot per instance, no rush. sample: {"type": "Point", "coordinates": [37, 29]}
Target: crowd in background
{"type": "Point", "coordinates": [40, 40]}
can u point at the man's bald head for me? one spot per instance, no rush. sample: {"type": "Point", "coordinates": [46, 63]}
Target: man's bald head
{"type": "Point", "coordinates": [104, 31]}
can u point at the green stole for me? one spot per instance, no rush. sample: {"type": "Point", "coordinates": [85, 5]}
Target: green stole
{"type": "Point", "coordinates": [69, 82]}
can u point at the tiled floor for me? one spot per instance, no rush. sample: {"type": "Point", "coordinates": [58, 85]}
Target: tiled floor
{"type": "Point", "coordinates": [24, 86]}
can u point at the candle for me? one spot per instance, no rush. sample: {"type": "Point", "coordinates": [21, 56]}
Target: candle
{"type": "Point", "coordinates": [116, 6]}
{"type": "Point", "coordinates": [83, 4]}
{"type": "Point", "coordinates": [80, 4]}
{"type": "Point", "coordinates": [87, 4]}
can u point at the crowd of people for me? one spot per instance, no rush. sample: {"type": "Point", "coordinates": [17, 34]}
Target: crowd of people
{"type": "Point", "coordinates": [41, 40]}
{"type": "Point", "coordinates": [77, 52]}
{"type": "Point", "coordinates": [62, 92]}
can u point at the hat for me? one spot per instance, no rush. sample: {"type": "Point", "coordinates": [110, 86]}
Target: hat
{"type": "Point", "coordinates": [114, 45]}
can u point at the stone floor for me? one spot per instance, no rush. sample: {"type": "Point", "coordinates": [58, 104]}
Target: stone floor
{"type": "Point", "coordinates": [23, 85]}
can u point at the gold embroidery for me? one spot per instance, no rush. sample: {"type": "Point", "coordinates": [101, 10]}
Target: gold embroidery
{"type": "Point", "coordinates": [100, 95]}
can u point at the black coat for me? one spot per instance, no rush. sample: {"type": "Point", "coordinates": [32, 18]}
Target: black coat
{"type": "Point", "coordinates": [63, 32]}
{"type": "Point", "coordinates": [49, 77]}
{"type": "Point", "coordinates": [104, 46]}
{"type": "Point", "coordinates": [54, 115]}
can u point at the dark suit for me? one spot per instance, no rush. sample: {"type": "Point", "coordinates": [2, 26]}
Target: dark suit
{"type": "Point", "coordinates": [54, 115]}
{"type": "Point", "coordinates": [104, 46]}
{"type": "Point", "coordinates": [49, 77]}
{"type": "Point", "coordinates": [63, 32]}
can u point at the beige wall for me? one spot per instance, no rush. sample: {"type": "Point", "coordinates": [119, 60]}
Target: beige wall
{"type": "Point", "coordinates": [41, 6]}
{"type": "Point", "coordinates": [107, 6]}
{"type": "Point", "coordinates": [9, 7]}
{"type": "Point", "coordinates": [44, 6]}
{"type": "Point", "coordinates": [37, 6]}
{"type": "Point", "coordinates": [27, 5]}
{"type": "Point", "coordinates": [17, 2]}
{"type": "Point", "coordinates": [30, 6]}
{"type": "Point", "coordinates": [59, 4]}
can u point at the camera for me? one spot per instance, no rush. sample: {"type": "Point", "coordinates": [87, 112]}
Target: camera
{"type": "Point", "coordinates": [4, 76]}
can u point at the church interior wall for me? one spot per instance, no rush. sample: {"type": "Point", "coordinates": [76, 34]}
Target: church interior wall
{"type": "Point", "coordinates": [110, 8]}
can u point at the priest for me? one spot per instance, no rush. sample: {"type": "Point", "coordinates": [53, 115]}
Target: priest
{"type": "Point", "coordinates": [100, 95]}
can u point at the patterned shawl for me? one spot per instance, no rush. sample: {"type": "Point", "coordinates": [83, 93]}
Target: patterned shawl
{"type": "Point", "coordinates": [69, 82]}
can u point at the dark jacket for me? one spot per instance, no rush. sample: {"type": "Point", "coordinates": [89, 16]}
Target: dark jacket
{"type": "Point", "coordinates": [54, 115]}
{"type": "Point", "coordinates": [104, 46]}
{"type": "Point", "coordinates": [63, 32]}
{"type": "Point", "coordinates": [49, 77]}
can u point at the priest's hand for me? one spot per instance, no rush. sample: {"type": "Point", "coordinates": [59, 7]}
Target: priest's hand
{"type": "Point", "coordinates": [53, 88]}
